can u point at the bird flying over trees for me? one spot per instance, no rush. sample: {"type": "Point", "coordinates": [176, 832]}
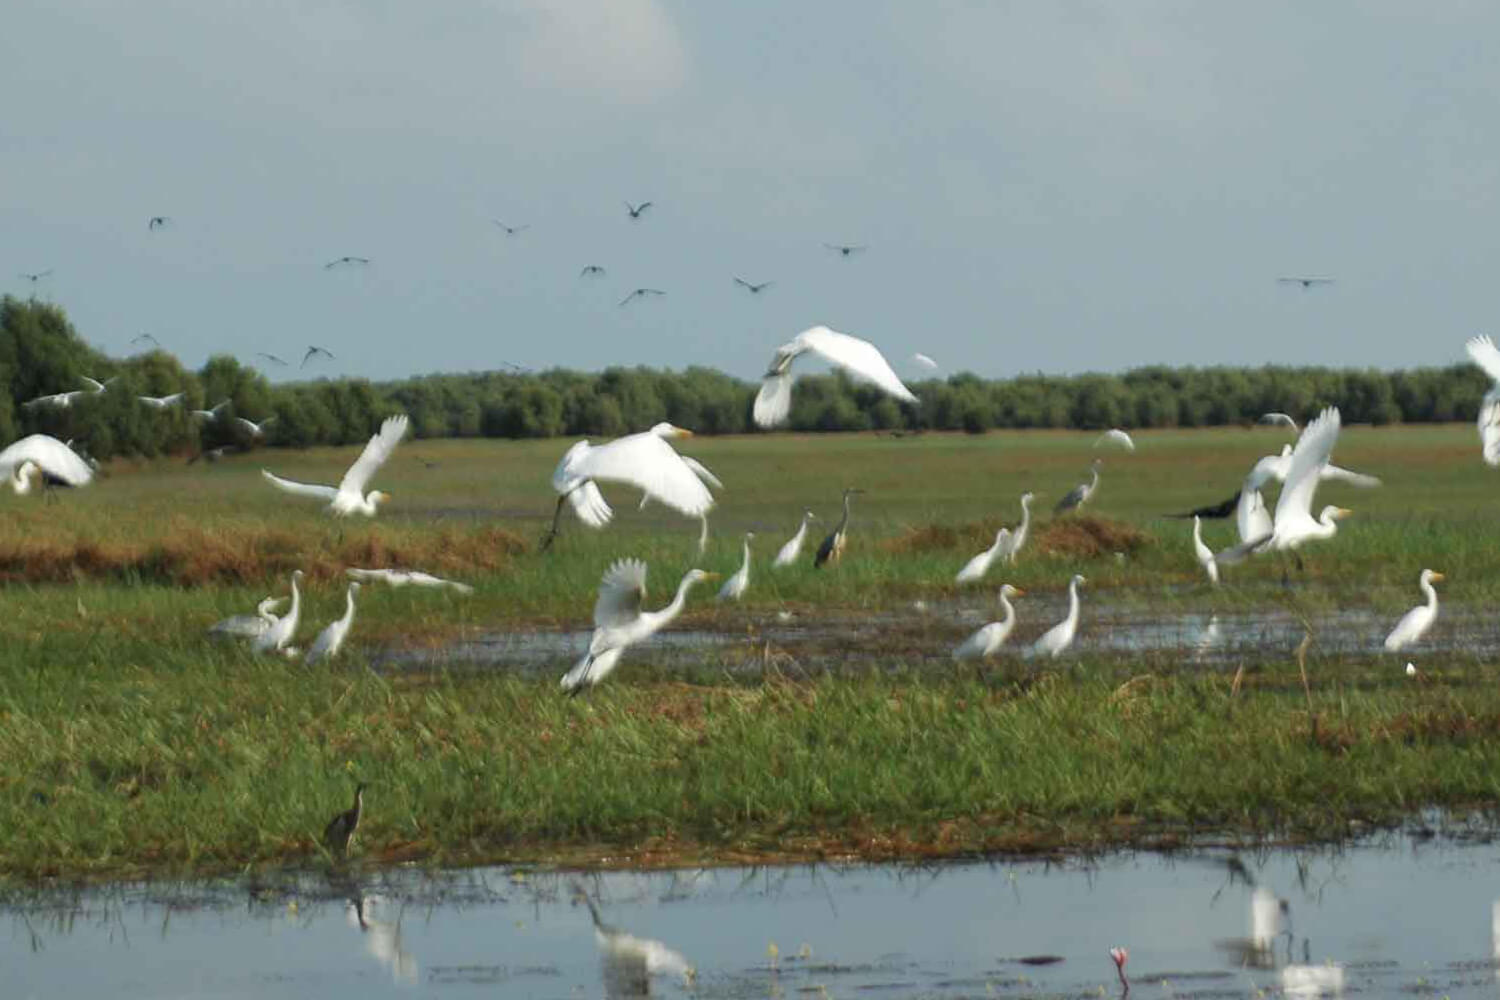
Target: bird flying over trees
{"type": "Point", "coordinates": [145, 338]}
{"type": "Point", "coordinates": [271, 358]}
{"type": "Point", "coordinates": [314, 351]}
{"type": "Point", "coordinates": [35, 276]}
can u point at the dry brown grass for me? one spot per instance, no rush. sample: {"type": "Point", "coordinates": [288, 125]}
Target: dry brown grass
{"type": "Point", "coordinates": [1081, 536]}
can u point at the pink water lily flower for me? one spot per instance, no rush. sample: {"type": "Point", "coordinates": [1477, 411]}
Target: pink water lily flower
{"type": "Point", "coordinates": [1121, 956]}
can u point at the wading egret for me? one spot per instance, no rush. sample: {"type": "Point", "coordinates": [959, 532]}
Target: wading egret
{"type": "Point", "coordinates": [628, 962]}
{"type": "Point", "coordinates": [833, 546]}
{"type": "Point", "coordinates": [1204, 553]}
{"type": "Point", "coordinates": [1419, 619]}
{"type": "Point", "coordinates": [1116, 436]}
{"type": "Point", "coordinates": [1482, 352]}
{"type": "Point", "coordinates": [1055, 641]}
{"type": "Point", "coordinates": [403, 577]}
{"type": "Point", "coordinates": [42, 453]}
{"type": "Point", "coordinates": [329, 641]}
{"type": "Point", "coordinates": [975, 568]}
{"type": "Point", "coordinates": [275, 638]}
{"type": "Point", "coordinates": [248, 626]}
{"type": "Point", "coordinates": [860, 358]}
{"type": "Point", "coordinates": [619, 621]}
{"type": "Point", "coordinates": [339, 833]}
{"type": "Point", "coordinates": [734, 587]}
{"type": "Point", "coordinates": [348, 497]}
{"type": "Point", "coordinates": [793, 547]}
{"type": "Point", "coordinates": [1018, 537]}
{"type": "Point", "coordinates": [1080, 494]}
{"type": "Point", "coordinates": [992, 636]}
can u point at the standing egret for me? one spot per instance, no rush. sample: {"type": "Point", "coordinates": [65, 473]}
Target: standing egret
{"type": "Point", "coordinates": [1018, 537]}
{"type": "Point", "coordinates": [1483, 352]}
{"type": "Point", "coordinates": [42, 453]}
{"type": "Point", "coordinates": [348, 497]}
{"type": "Point", "coordinates": [628, 962]}
{"type": "Point", "coordinates": [1055, 641]}
{"type": "Point", "coordinates": [331, 639]}
{"type": "Point", "coordinates": [1415, 623]}
{"type": "Point", "coordinates": [833, 546]}
{"type": "Point", "coordinates": [1116, 436]}
{"type": "Point", "coordinates": [975, 568]}
{"type": "Point", "coordinates": [992, 636]}
{"type": "Point", "coordinates": [734, 587]}
{"type": "Point", "coordinates": [1080, 494]}
{"type": "Point", "coordinates": [860, 358]}
{"type": "Point", "coordinates": [1204, 553]}
{"type": "Point", "coordinates": [793, 547]}
{"type": "Point", "coordinates": [339, 833]}
{"type": "Point", "coordinates": [248, 626]}
{"type": "Point", "coordinates": [275, 638]}
{"type": "Point", "coordinates": [619, 621]}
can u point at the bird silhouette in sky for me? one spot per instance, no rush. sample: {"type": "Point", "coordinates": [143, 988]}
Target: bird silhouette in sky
{"type": "Point", "coordinates": [1304, 282]}
{"type": "Point", "coordinates": [640, 293]}
{"type": "Point", "coordinates": [510, 230]}
{"type": "Point", "coordinates": [845, 249]}
{"type": "Point", "coordinates": [753, 289]}
{"type": "Point", "coordinates": [636, 210]}
{"type": "Point", "coordinates": [592, 271]}
{"type": "Point", "coordinates": [145, 338]}
{"type": "Point", "coordinates": [271, 358]}
{"type": "Point", "coordinates": [157, 221]}
{"type": "Point", "coordinates": [36, 276]}
{"type": "Point", "coordinates": [313, 352]}
{"type": "Point", "coordinates": [345, 260]}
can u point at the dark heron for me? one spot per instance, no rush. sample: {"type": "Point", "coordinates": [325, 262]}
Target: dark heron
{"type": "Point", "coordinates": [314, 352]}
{"type": "Point", "coordinates": [845, 249]}
{"type": "Point", "coordinates": [833, 546]}
{"type": "Point", "coordinates": [345, 260]}
{"type": "Point", "coordinates": [640, 293]}
{"type": "Point", "coordinates": [1080, 494]}
{"type": "Point", "coordinates": [158, 221]}
{"type": "Point", "coordinates": [753, 289]}
{"type": "Point", "coordinates": [636, 210]}
{"type": "Point", "coordinates": [339, 832]}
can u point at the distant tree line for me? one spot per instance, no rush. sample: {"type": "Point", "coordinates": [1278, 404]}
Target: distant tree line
{"type": "Point", "coordinates": [41, 354]}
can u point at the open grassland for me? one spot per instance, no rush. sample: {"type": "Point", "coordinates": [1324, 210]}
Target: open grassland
{"type": "Point", "coordinates": [129, 742]}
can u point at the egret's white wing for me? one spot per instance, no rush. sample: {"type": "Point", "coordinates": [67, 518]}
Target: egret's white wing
{"type": "Point", "coordinates": [1312, 453]}
{"type": "Point", "coordinates": [392, 430]}
{"type": "Point", "coordinates": [1118, 437]}
{"type": "Point", "coordinates": [1250, 515]}
{"type": "Point", "coordinates": [1482, 352]}
{"type": "Point", "coordinates": [1237, 553]}
{"type": "Point", "coordinates": [1342, 475]}
{"type": "Point", "coordinates": [93, 384]}
{"type": "Point", "coordinates": [648, 463]}
{"type": "Point", "coordinates": [701, 471]}
{"type": "Point", "coordinates": [1284, 419]}
{"type": "Point", "coordinates": [1489, 426]}
{"type": "Point", "coordinates": [925, 361]}
{"type": "Point", "coordinates": [1269, 468]}
{"type": "Point", "coordinates": [589, 504]}
{"type": "Point", "coordinates": [859, 358]}
{"type": "Point", "coordinates": [301, 489]}
{"type": "Point", "coordinates": [620, 594]}
{"type": "Point", "coordinates": [50, 455]}
{"type": "Point", "coordinates": [422, 579]}
{"type": "Point", "coordinates": [975, 645]}
{"type": "Point", "coordinates": [774, 401]}
{"type": "Point", "coordinates": [382, 575]}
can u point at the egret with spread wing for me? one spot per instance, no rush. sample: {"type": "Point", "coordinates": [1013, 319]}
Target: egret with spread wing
{"type": "Point", "coordinates": [349, 496]}
{"type": "Point", "coordinates": [57, 463]}
{"type": "Point", "coordinates": [1116, 436]}
{"type": "Point", "coordinates": [403, 577]}
{"type": "Point", "coordinates": [161, 402]}
{"type": "Point", "coordinates": [860, 358]}
{"type": "Point", "coordinates": [1483, 352]}
{"type": "Point", "coordinates": [1277, 418]}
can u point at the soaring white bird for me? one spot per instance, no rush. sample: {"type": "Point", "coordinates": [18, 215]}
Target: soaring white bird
{"type": "Point", "coordinates": [41, 452]}
{"type": "Point", "coordinates": [160, 402]}
{"type": "Point", "coordinates": [975, 568]}
{"type": "Point", "coordinates": [619, 621]}
{"type": "Point", "coordinates": [1080, 494]}
{"type": "Point", "coordinates": [859, 358]}
{"type": "Point", "coordinates": [1203, 552]}
{"type": "Point", "coordinates": [1018, 537]}
{"type": "Point", "coordinates": [734, 587]}
{"type": "Point", "coordinates": [925, 361]}
{"type": "Point", "coordinates": [793, 548]}
{"type": "Point", "coordinates": [255, 430]}
{"type": "Point", "coordinates": [248, 626]}
{"type": "Point", "coordinates": [349, 497]}
{"type": "Point", "coordinates": [1115, 436]}
{"type": "Point", "coordinates": [1055, 641]}
{"type": "Point", "coordinates": [402, 577]}
{"type": "Point", "coordinates": [331, 639]}
{"type": "Point", "coordinates": [212, 413]}
{"type": "Point", "coordinates": [1483, 352]}
{"type": "Point", "coordinates": [992, 636]}
{"type": "Point", "coordinates": [1277, 418]}
{"type": "Point", "coordinates": [275, 638]}
{"type": "Point", "coordinates": [1419, 619]}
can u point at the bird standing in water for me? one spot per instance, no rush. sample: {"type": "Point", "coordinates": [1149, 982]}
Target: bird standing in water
{"type": "Point", "coordinates": [833, 546]}
{"type": "Point", "coordinates": [339, 833]}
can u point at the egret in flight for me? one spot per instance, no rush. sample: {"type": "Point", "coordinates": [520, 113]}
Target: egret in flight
{"type": "Point", "coordinates": [1080, 494]}
{"type": "Point", "coordinates": [1483, 352]}
{"type": "Point", "coordinates": [793, 548]}
{"type": "Point", "coordinates": [619, 621]}
{"type": "Point", "coordinates": [212, 413]}
{"type": "Point", "coordinates": [636, 210]}
{"type": "Point", "coordinates": [161, 402]}
{"type": "Point", "coordinates": [1276, 418]}
{"type": "Point", "coordinates": [41, 453]}
{"type": "Point", "coordinates": [860, 358]}
{"type": "Point", "coordinates": [833, 546]}
{"type": "Point", "coordinates": [1056, 640]}
{"type": "Point", "coordinates": [734, 587]}
{"type": "Point", "coordinates": [345, 260]}
{"type": "Point", "coordinates": [753, 289]}
{"type": "Point", "coordinates": [925, 361]}
{"type": "Point", "coordinates": [404, 577]}
{"type": "Point", "coordinates": [975, 568]}
{"type": "Point", "coordinates": [349, 496]}
{"type": "Point", "coordinates": [1116, 436]}
{"type": "Point", "coordinates": [313, 351]}
{"type": "Point", "coordinates": [255, 430]}
{"type": "Point", "coordinates": [1415, 623]}
{"type": "Point", "coordinates": [992, 636]}
{"type": "Point", "coordinates": [640, 293]}
{"type": "Point", "coordinates": [329, 641]}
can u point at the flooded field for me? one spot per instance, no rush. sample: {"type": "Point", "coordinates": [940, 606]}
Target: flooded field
{"type": "Point", "coordinates": [1411, 915]}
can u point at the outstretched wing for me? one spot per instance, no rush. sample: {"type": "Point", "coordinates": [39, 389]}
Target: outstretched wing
{"type": "Point", "coordinates": [774, 401]}
{"type": "Point", "coordinates": [701, 471]}
{"type": "Point", "coordinates": [1312, 453]}
{"type": "Point", "coordinates": [301, 489]}
{"type": "Point", "coordinates": [1482, 352]}
{"type": "Point", "coordinates": [648, 463]}
{"type": "Point", "coordinates": [1343, 475]}
{"type": "Point", "coordinates": [859, 358]}
{"type": "Point", "coordinates": [392, 430]}
{"type": "Point", "coordinates": [620, 594]}
{"type": "Point", "coordinates": [50, 455]}
{"type": "Point", "coordinates": [1489, 426]}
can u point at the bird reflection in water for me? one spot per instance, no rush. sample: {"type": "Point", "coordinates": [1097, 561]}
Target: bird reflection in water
{"type": "Point", "coordinates": [382, 938]}
{"type": "Point", "coordinates": [627, 962]}
{"type": "Point", "coordinates": [1270, 923]}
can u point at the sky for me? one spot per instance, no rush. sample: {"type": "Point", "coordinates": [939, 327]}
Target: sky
{"type": "Point", "coordinates": [1055, 186]}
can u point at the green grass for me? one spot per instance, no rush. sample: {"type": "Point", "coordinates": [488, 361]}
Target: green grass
{"type": "Point", "coordinates": [129, 743]}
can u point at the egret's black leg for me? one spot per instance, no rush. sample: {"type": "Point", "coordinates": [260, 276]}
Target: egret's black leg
{"type": "Point", "coordinates": [556, 521]}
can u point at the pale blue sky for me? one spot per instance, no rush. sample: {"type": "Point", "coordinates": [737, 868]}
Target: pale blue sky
{"type": "Point", "coordinates": [1056, 186]}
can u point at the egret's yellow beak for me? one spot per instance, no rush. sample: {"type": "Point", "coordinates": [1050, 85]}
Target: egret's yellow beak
{"type": "Point", "coordinates": [1344, 512]}
{"type": "Point", "coordinates": [1438, 576]}
{"type": "Point", "coordinates": [1018, 591]}
{"type": "Point", "coordinates": [684, 433]}
{"type": "Point", "coordinates": [712, 576]}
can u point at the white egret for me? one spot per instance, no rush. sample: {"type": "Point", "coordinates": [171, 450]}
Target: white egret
{"type": "Point", "coordinates": [925, 361]}
{"type": "Point", "coordinates": [1018, 537]}
{"type": "Point", "coordinates": [61, 400]}
{"type": "Point", "coordinates": [1116, 436]}
{"type": "Point", "coordinates": [619, 621]}
{"type": "Point", "coordinates": [833, 546]}
{"type": "Point", "coordinates": [975, 568]}
{"type": "Point", "coordinates": [255, 430]}
{"type": "Point", "coordinates": [1203, 552]}
{"type": "Point", "coordinates": [248, 626]}
{"type": "Point", "coordinates": [1080, 494]}
{"type": "Point", "coordinates": [793, 547]}
{"type": "Point", "coordinates": [1276, 418]}
{"type": "Point", "coordinates": [161, 402]}
{"type": "Point", "coordinates": [212, 413]}
{"type": "Point", "coordinates": [1294, 524]}
{"type": "Point", "coordinates": [1055, 641]}
{"type": "Point", "coordinates": [331, 639]}
{"type": "Point", "coordinates": [348, 497]}
{"type": "Point", "coordinates": [1483, 352]}
{"type": "Point", "coordinates": [1419, 619]}
{"type": "Point", "coordinates": [43, 453]}
{"type": "Point", "coordinates": [860, 358]}
{"type": "Point", "coordinates": [734, 587]}
{"type": "Point", "coordinates": [275, 638]}
{"type": "Point", "coordinates": [628, 962]}
{"type": "Point", "coordinates": [403, 577]}
{"type": "Point", "coordinates": [382, 938]}
{"type": "Point", "coordinates": [992, 636]}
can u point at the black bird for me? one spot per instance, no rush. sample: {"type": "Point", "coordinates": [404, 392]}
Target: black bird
{"type": "Point", "coordinates": [510, 230]}
{"type": "Point", "coordinates": [636, 210]}
{"type": "Point", "coordinates": [271, 358]}
{"type": "Point", "coordinates": [157, 221]}
{"type": "Point", "coordinates": [37, 276]}
{"type": "Point", "coordinates": [339, 832]}
{"type": "Point", "coordinates": [346, 260]}
{"type": "Point", "coordinates": [592, 271]}
{"type": "Point", "coordinates": [145, 337]}
{"type": "Point", "coordinates": [1225, 509]}
{"type": "Point", "coordinates": [844, 249]}
{"type": "Point", "coordinates": [1304, 282]}
{"type": "Point", "coordinates": [833, 546]}
{"type": "Point", "coordinates": [754, 289]}
{"type": "Point", "coordinates": [518, 369]}
{"type": "Point", "coordinates": [313, 352]}
{"type": "Point", "coordinates": [641, 293]}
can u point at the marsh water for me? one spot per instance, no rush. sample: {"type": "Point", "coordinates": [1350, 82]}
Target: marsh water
{"type": "Point", "coordinates": [1409, 915]}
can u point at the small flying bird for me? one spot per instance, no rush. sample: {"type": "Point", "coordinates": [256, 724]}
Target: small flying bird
{"type": "Point", "coordinates": [158, 221]}
{"type": "Point", "coordinates": [1415, 623]}
{"type": "Point", "coordinates": [1304, 282]}
{"type": "Point", "coordinates": [271, 358]}
{"type": "Point", "coordinates": [925, 361]}
{"type": "Point", "coordinates": [255, 430]}
{"type": "Point", "coordinates": [636, 210]}
{"type": "Point", "coordinates": [753, 289]}
{"type": "Point", "coordinates": [339, 833]}
{"type": "Point", "coordinates": [845, 249]}
{"type": "Point", "coordinates": [860, 358]}
{"type": "Point", "coordinates": [992, 636]}
{"type": "Point", "coordinates": [61, 400]}
{"type": "Point", "coordinates": [160, 402]}
{"type": "Point", "coordinates": [345, 260]}
{"type": "Point", "coordinates": [212, 413]}
{"type": "Point", "coordinates": [315, 352]}
{"type": "Point", "coordinates": [144, 338]}
{"type": "Point", "coordinates": [403, 577]}
{"type": "Point", "coordinates": [511, 230]}
{"type": "Point", "coordinates": [35, 276]}
{"type": "Point", "coordinates": [640, 293]}
{"type": "Point", "coordinates": [1116, 436]}
{"type": "Point", "coordinates": [348, 497]}
{"type": "Point", "coordinates": [329, 641]}
{"type": "Point", "coordinates": [1277, 418]}
{"type": "Point", "coordinates": [1080, 494]}
{"type": "Point", "coordinates": [591, 271]}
